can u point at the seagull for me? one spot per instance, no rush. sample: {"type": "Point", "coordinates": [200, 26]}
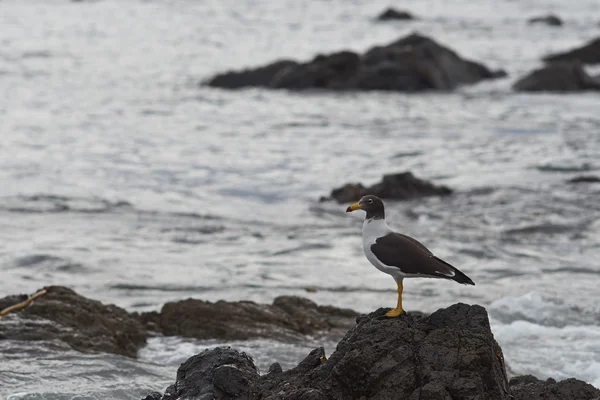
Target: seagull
{"type": "Point", "coordinates": [399, 255]}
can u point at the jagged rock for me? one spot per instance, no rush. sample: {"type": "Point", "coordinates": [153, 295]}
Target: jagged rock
{"type": "Point", "coordinates": [587, 54]}
{"type": "Point", "coordinates": [558, 77]}
{"type": "Point", "coordinates": [86, 325]}
{"type": "Point", "coordinates": [528, 387]}
{"type": "Point", "coordinates": [393, 14]}
{"type": "Point", "coordinates": [400, 186]}
{"type": "Point", "coordinates": [550, 19]}
{"type": "Point", "coordinates": [289, 318]}
{"type": "Point", "coordinates": [585, 179]}
{"type": "Point", "coordinates": [413, 63]}
{"type": "Point", "coordinates": [220, 373]}
{"type": "Point", "coordinates": [450, 354]}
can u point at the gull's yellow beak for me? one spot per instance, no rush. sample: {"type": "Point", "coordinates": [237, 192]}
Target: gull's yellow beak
{"type": "Point", "coordinates": [353, 207]}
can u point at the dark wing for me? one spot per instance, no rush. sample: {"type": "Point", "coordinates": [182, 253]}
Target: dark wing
{"type": "Point", "coordinates": [411, 257]}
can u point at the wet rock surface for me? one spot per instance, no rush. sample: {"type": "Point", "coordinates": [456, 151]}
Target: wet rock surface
{"type": "Point", "coordinates": [558, 77]}
{"type": "Point", "coordinates": [450, 354]}
{"type": "Point", "coordinates": [586, 54]}
{"type": "Point", "coordinates": [84, 324]}
{"type": "Point", "coordinates": [400, 186]}
{"type": "Point", "coordinates": [528, 387]}
{"type": "Point", "coordinates": [289, 318]}
{"type": "Point", "coordinates": [393, 14]}
{"type": "Point", "coordinates": [412, 63]}
{"type": "Point", "coordinates": [551, 20]}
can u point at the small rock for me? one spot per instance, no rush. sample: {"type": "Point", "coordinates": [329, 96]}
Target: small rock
{"type": "Point", "coordinates": [275, 368]}
{"type": "Point", "coordinates": [393, 14]}
{"type": "Point", "coordinates": [529, 387]}
{"type": "Point", "coordinates": [585, 179]}
{"type": "Point", "coordinates": [400, 186]}
{"type": "Point", "coordinates": [587, 54]}
{"type": "Point", "coordinates": [557, 77]}
{"type": "Point", "coordinates": [551, 20]}
{"type": "Point", "coordinates": [220, 373]}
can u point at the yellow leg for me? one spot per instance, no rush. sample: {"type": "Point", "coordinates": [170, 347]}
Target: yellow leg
{"type": "Point", "coordinates": [394, 312]}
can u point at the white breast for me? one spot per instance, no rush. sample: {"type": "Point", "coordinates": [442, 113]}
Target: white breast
{"type": "Point", "coordinates": [372, 230]}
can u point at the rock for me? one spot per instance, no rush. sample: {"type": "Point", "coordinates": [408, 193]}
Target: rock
{"type": "Point", "coordinates": [287, 319]}
{"type": "Point", "coordinates": [587, 54]}
{"type": "Point", "coordinates": [400, 186]}
{"type": "Point", "coordinates": [585, 179]}
{"type": "Point", "coordinates": [153, 396]}
{"type": "Point", "coordinates": [252, 77]}
{"type": "Point", "coordinates": [393, 14]}
{"type": "Point", "coordinates": [551, 20]}
{"type": "Point", "coordinates": [86, 325]}
{"type": "Point", "coordinates": [220, 373]}
{"type": "Point", "coordinates": [528, 387]}
{"type": "Point", "coordinates": [558, 77]}
{"type": "Point", "coordinates": [450, 354]}
{"type": "Point", "coordinates": [413, 63]}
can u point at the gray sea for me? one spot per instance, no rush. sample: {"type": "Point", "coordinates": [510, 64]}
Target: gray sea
{"type": "Point", "coordinates": [123, 179]}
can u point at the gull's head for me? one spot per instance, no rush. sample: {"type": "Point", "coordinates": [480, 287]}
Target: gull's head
{"type": "Point", "coordinates": [371, 204]}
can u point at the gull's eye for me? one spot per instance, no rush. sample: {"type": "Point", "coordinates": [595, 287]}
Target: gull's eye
{"type": "Point", "coordinates": [370, 201]}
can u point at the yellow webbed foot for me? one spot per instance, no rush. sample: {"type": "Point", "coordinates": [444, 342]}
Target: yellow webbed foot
{"type": "Point", "coordinates": [394, 312]}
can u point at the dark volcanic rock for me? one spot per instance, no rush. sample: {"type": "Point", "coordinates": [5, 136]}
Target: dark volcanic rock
{"type": "Point", "coordinates": [585, 179]}
{"type": "Point", "coordinates": [288, 318]}
{"type": "Point", "coordinates": [528, 387]}
{"type": "Point", "coordinates": [220, 373]}
{"type": "Point", "coordinates": [450, 354]}
{"type": "Point", "coordinates": [587, 54]}
{"type": "Point", "coordinates": [86, 325]}
{"type": "Point", "coordinates": [413, 63]}
{"type": "Point", "coordinates": [551, 20]}
{"type": "Point", "coordinates": [392, 13]}
{"type": "Point", "coordinates": [400, 186]}
{"type": "Point", "coordinates": [558, 77]}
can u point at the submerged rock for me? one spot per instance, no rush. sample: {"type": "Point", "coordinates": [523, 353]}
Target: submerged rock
{"type": "Point", "coordinates": [558, 77]}
{"type": "Point", "coordinates": [393, 14]}
{"type": "Point", "coordinates": [528, 387]}
{"type": "Point", "coordinates": [585, 179]}
{"type": "Point", "coordinates": [412, 63]}
{"type": "Point", "coordinates": [400, 186]}
{"type": "Point", "coordinates": [587, 54]}
{"type": "Point", "coordinates": [450, 354]}
{"type": "Point", "coordinates": [287, 319]}
{"type": "Point", "coordinates": [551, 20]}
{"type": "Point", "coordinates": [84, 324]}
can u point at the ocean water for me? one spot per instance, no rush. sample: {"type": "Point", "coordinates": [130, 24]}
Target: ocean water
{"type": "Point", "coordinates": [125, 180]}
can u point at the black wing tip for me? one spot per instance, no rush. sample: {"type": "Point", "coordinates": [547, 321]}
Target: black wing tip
{"type": "Point", "coordinates": [462, 278]}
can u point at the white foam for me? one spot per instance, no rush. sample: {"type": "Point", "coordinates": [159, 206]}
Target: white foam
{"type": "Point", "coordinates": [547, 337]}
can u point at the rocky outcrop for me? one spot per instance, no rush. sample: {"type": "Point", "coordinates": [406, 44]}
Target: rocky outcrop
{"type": "Point", "coordinates": [528, 387]}
{"type": "Point", "coordinates": [90, 326]}
{"type": "Point", "coordinates": [400, 186]}
{"type": "Point", "coordinates": [393, 14]}
{"type": "Point", "coordinates": [551, 20]}
{"type": "Point", "coordinates": [450, 354]}
{"type": "Point", "coordinates": [412, 63]}
{"type": "Point", "coordinates": [86, 325]}
{"type": "Point", "coordinates": [587, 54]}
{"type": "Point", "coordinates": [287, 319]}
{"type": "Point", "coordinates": [558, 77]}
